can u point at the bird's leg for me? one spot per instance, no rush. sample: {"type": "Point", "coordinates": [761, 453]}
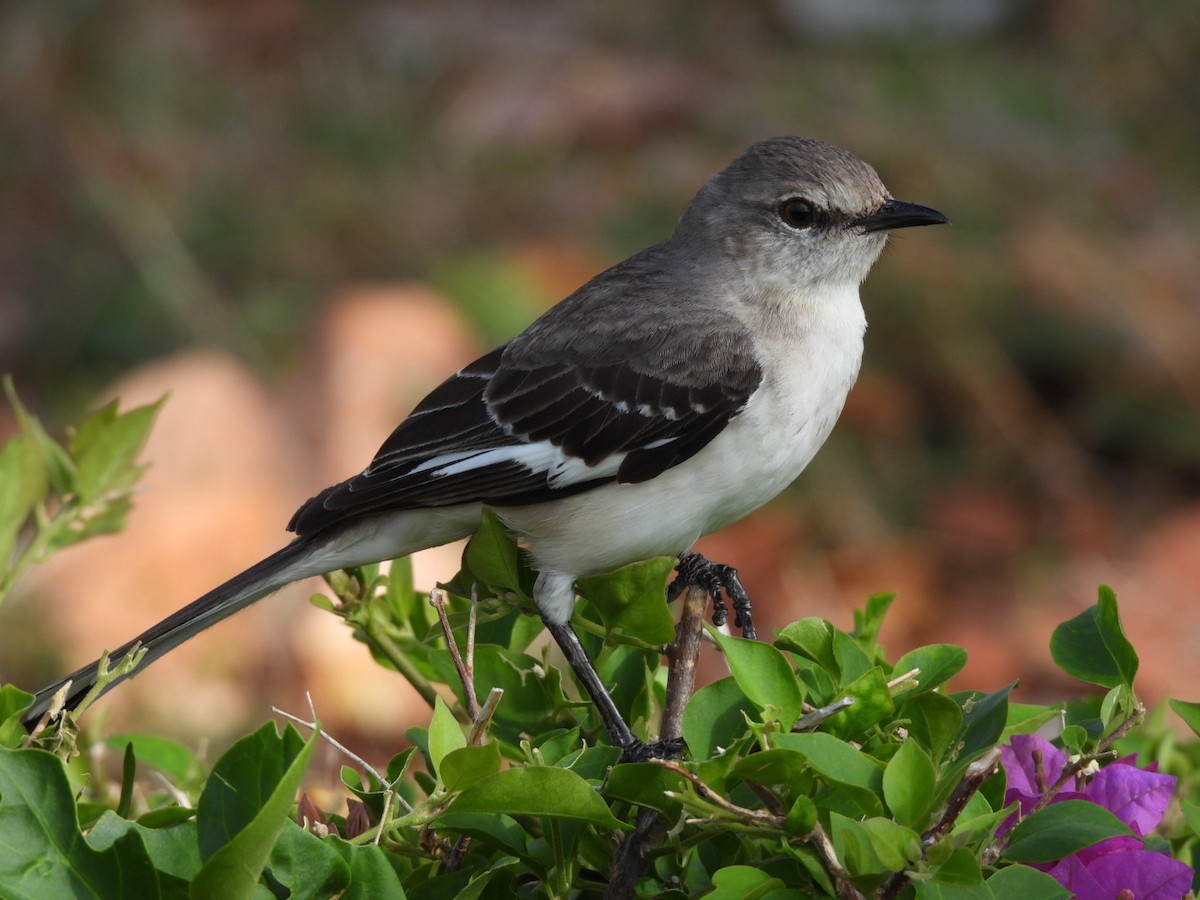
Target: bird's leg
{"type": "Point", "coordinates": [632, 749]}
{"type": "Point", "coordinates": [695, 570]}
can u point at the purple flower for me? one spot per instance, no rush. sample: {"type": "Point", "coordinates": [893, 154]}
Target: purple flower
{"type": "Point", "coordinates": [1119, 867]}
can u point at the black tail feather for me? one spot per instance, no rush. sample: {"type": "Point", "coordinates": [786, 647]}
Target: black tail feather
{"type": "Point", "coordinates": [261, 579]}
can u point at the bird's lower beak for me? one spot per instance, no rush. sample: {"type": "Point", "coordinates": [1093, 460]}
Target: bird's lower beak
{"type": "Point", "coordinates": [900, 214]}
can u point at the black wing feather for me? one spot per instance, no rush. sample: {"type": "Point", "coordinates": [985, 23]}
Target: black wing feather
{"type": "Point", "coordinates": [627, 391]}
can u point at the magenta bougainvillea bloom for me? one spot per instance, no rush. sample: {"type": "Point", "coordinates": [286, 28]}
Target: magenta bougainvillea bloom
{"type": "Point", "coordinates": [1119, 867]}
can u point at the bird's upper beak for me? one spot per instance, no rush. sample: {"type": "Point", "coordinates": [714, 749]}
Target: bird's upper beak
{"type": "Point", "coordinates": [899, 214]}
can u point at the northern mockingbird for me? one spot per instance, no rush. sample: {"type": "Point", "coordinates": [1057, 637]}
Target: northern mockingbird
{"type": "Point", "coordinates": [667, 397]}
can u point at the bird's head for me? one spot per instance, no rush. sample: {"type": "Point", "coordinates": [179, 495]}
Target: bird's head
{"type": "Point", "coordinates": [798, 212]}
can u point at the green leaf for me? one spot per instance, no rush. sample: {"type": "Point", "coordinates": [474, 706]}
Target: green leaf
{"type": "Point", "coordinates": [802, 817]}
{"type": "Point", "coordinates": [371, 874]}
{"type": "Point", "coordinates": [165, 755]}
{"type": "Point", "coordinates": [498, 831]}
{"type": "Point", "coordinates": [854, 847]}
{"type": "Point", "coordinates": [811, 638]}
{"type": "Point", "coordinates": [1092, 646]}
{"type": "Point", "coordinates": [1191, 814]}
{"type": "Point", "coordinates": [840, 763]}
{"type": "Point", "coordinates": [1117, 705]}
{"type": "Point", "coordinates": [536, 791]}
{"type": "Point", "coordinates": [1189, 712]}
{"type": "Point", "coordinates": [742, 883]}
{"type": "Point", "coordinates": [493, 558]}
{"type": "Point", "coordinates": [935, 720]}
{"type": "Point", "coordinates": [978, 821]}
{"type": "Point", "coordinates": [872, 704]}
{"type": "Point", "coordinates": [646, 784]}
{"type": "Point", "coordinates": [715, 717]}
{"type": "Point", "coordinates": [763, 674]}
{"type": "Point", "coordinates": [106, 447]}
{"type": "Point", "coordinates": [1061, 829]}
{"type": "Point", "coordinates": [59, 466]}
{"type": "Point", "coordinates": [908, 784]}
{"type": "Point", "coordinates": [13, 702]}
{"type": "Point", "coordinates": [852, 660]}
{"type": "Point", "coordinates": [481, 884]}
{"type": "Point", "coordinates": [938, 663]}
{"type": "Point", "coordinates": [463, 767]}
{"type": "Point", "coordinates": [43, 854]}
{"type": "Point", "coordinates": [632, 602]}
{"type": "Point", "coordinates": [867, 622]}
{"type": "Point", "coordinates": [24, 478]}
{"type": "Point", "coordinates": [774, 768]}
{"type": "Point", "coordinates": [1024, 883]}
{"type": "Point", "coordinates": [1024, 718]}
{"type": "Point", "coordinates": [630, 672]}
{"type": "Point", "coordinates": [936, 890]}
{"type": "Point", "coordinates": [403, 602]}
{"type": "Point", "coordinates": [959, 869]}
{"type": "Point", "coordinates": [445, 734]}
{"type": "Point", "coordinates": [173, 849]}
{"type": "Point", "coordinates": [819, 684]}
{"type": "Point", "coordinates": [307, 866]}
{"type": "Point", "coordinates": [1074, 739]}
{"type": "Point", "coordinates": [243, 808]}
{"type": "Point", "coordinates": [896, 847]}
{"type": "Point", "coordinates": [984, 718]}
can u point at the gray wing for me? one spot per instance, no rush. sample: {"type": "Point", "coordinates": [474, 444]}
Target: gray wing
{"type": "Point", "coordinates": [606, 386]}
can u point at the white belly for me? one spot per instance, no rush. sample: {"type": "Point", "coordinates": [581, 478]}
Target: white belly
{"type": "Point", "coordinates": [759, 453]}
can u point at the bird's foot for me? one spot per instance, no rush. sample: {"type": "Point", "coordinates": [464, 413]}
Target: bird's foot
{"type": "Point", "coordinates": [640, 751]}
{"type": "Point", "coordinates": [714, 578]}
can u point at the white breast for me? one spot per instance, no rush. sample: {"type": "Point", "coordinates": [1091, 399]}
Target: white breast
{"type": "Point", "coordinates": [810, 358]}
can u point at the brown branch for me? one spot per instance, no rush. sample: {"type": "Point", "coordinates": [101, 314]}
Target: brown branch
{"type": "Point", "coordinates": [437, 599]}
{"type": "Point", "coordinates": [819, 841]}
{"type": "Point", "coordinates": [634, 854]}
{"type": "Point", "coordinates": [754, 816]}
{"type": "Point", "coordinates": [481, 717]}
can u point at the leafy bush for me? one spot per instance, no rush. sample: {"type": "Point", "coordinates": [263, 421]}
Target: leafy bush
{"type": "Point", "coordinates": [818, 765]}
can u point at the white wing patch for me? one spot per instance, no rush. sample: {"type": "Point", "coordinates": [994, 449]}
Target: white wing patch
{"type": "Point", "coordinates": [542, 456]}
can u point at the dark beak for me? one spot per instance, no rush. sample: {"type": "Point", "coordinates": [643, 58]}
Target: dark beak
{"type": "Point", "coordinates": [899, 214]}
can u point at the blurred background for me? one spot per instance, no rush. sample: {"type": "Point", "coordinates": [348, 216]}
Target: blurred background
{"type": "Point", "coordinates": [297, 217]}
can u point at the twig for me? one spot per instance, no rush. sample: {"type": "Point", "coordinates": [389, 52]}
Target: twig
{"type": "Point", "coordinates": [816, 838]}
{"type": "Point", "coordinates": [754, 816]}
{"type": "Point", "coordinates": [314, 725]}
{"type": "Point", "coordinates": [682, 655]}
{"type": "Point", "coordinates": [910, 675]}
{"type": "Point", "coordinates": [480, 726]}
{"type": "Point", "coordinates": [810, 721]}
{"type": "Point", "coordinates": [481, 718]}
{"type": "Point", "coordinates": [977, 773]}
{"type": "Point", "coordinates": [649, 834]}
{"type": "Point", "coordinates": [437, 599]}
{"type": "Point", "coordinates": [819, 841]}
{"type": "Point", "coordinates": [52, 711]}
{"type": "Point", "coordinates": [181, 799]}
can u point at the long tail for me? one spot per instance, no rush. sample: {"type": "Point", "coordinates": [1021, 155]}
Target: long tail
{"type": "Point", "coordinates": [265, 577]}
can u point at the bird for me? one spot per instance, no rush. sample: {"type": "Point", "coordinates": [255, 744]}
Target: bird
{"type": "Point", "coordinates": [669, 396]}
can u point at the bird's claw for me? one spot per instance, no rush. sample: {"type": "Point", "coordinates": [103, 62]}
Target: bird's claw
{"type": "Point", "coordinates": [718, 580]}
{"type": "Point", "coordinates": [640, 751]}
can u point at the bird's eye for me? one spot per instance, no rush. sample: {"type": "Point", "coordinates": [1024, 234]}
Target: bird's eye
{"type": "Point", "coordinates": [797, 212]}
